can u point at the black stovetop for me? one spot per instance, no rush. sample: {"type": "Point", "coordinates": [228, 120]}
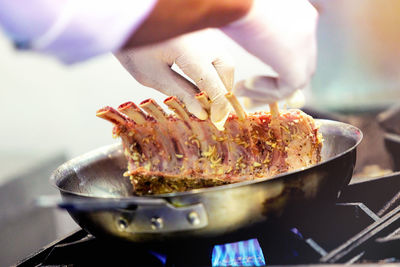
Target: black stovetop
{"type": "Point", "coordinates": [363, 227]}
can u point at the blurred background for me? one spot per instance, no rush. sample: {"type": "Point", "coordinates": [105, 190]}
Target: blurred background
{"type": "Point", "coordinates": [47, 110]}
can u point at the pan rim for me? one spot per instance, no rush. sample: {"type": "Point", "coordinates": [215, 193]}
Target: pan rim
{"type": "Point", "coordinates": [53, 177]}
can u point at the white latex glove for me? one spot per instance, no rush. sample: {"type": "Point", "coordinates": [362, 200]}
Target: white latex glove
{"type": "Point", "coordinates": [282, 34]}
{"type": "Point", "coordinates": [199, 57]}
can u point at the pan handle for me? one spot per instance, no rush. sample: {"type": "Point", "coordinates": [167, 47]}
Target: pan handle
{"type": "Point", "coordinates": [96, 204]}
{"type": "Point", "coordinates": [136, 215]}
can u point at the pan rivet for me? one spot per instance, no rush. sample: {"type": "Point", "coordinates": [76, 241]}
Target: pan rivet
{"type": "Point", "coordinates": [157, 223]}
{"type": "Point", "coordinates": [193, 218]}
{"type": "Point", "coordinates": [122, 223]}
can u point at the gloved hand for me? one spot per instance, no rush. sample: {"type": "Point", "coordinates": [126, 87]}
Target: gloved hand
{"type": "Point", "coordinates": [282, 34]}
{"type": "Point", "coordinates": [199, 57]}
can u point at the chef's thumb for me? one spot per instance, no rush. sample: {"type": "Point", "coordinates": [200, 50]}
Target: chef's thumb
{"type": "Point", "coordinates": [207, 79]}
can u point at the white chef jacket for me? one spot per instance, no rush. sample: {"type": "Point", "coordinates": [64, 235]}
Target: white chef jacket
{"type": "Point", "coordinates": [72, 30]}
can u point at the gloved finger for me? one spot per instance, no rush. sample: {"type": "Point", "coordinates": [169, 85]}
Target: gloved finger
{"type": "Point", "coordinates": [180, 87]}
{"type": "Point", "coordinates": [225, 68]}
{"type": "Point", "coordinates": [207, 79]}
{"type": "Point", "coordinates": [173, 84]}
{"type": "Point", "coordinates": [263, 88]}
{"type": "Point", "coordinates": [296, 100]}
{"type": "Point", "coordinates": [166, 81]}
{"type": "Point", "coordinates": [250, 103]}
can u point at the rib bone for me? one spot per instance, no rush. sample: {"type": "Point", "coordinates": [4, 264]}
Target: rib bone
{"type": "Point", "coordinates": [175, 105]}
{"type": "Point", "coordinates": [198, 128]}
{"type": "Point", "coordinates": [133, 112]}
{"type": "Point", "coordinates": [110, 114]}
{"type": "Point", "coordinates": [236, 106]}
{"type": "Point", "coordinates": [274, 109]}
{"type": "Point", "coordinates": [204, 100]}
{"type": "Point", "coordinates": [153, 109]}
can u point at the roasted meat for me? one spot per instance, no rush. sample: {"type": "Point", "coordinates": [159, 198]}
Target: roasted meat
{"type": "Point", "coordinates": [177, 152]}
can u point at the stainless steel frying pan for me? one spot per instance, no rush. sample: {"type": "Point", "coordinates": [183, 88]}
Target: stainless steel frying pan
{"type": "Point", "coordinates": [101, 200]}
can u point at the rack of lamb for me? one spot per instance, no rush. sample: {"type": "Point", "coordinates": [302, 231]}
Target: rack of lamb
{"type": "Point", "coordinates": [178, 152]}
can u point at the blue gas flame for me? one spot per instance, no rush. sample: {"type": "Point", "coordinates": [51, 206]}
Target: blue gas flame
{"type": "Point", "coordinates": [243, 253]}
{"type": "Point", "coordinates": [159, 256]}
